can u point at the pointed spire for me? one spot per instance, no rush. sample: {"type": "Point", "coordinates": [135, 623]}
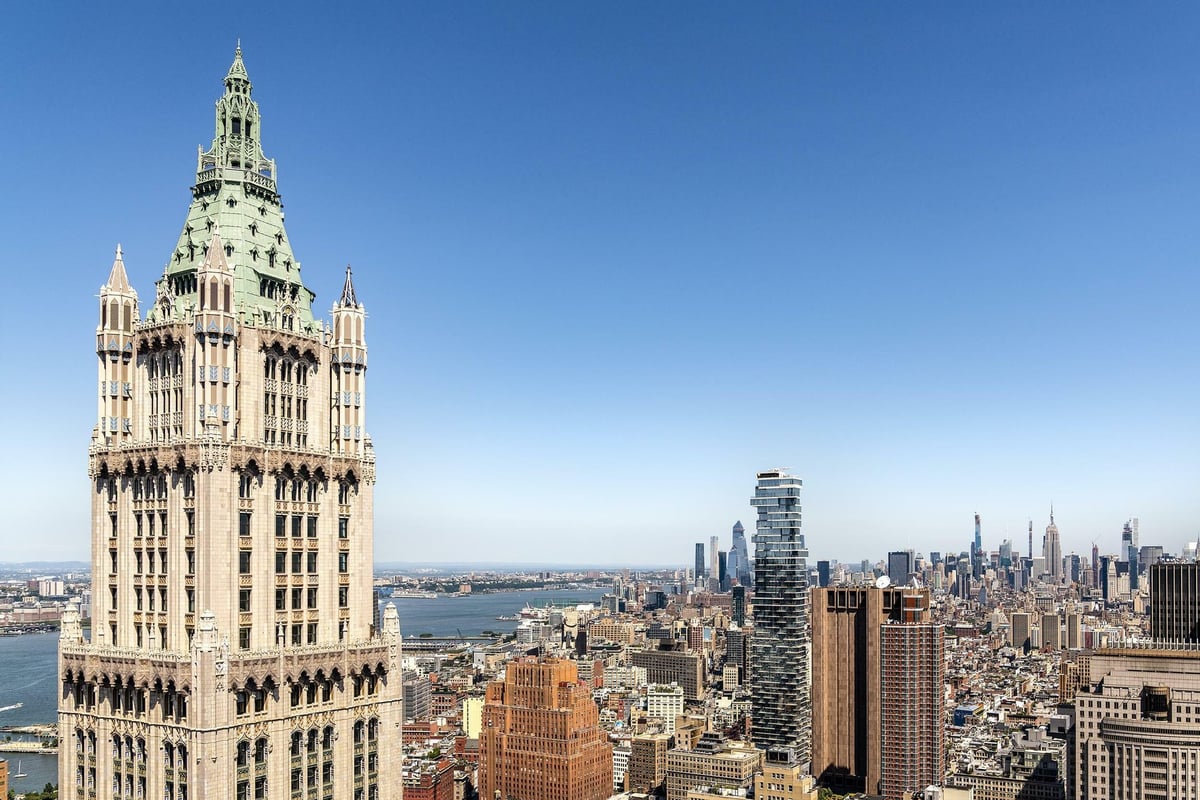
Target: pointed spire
{"type": "Point", "coordinates": [215, 257]}
{"type": "Point", "coordinates": [348, 297]}
{"type": "Point", "coordinates": [237, 70]}
{"type": "Point", "coordinates": [118, 281]}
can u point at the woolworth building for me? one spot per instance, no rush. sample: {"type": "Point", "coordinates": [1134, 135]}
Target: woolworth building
{"type": "Point", "coordinates": [235, 648]}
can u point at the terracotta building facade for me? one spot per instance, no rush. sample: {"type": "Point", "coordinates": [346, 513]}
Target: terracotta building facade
{"type": "Point", "coordinates": [541, 737]}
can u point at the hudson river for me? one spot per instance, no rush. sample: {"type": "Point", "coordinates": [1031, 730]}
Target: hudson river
{"type": "Point", "coordinates": [28, 663]}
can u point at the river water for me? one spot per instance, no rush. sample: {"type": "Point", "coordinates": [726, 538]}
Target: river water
{"type": "Point", "coordinates": [28, 663]}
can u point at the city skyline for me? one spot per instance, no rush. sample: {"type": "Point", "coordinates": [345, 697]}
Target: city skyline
{"type": "Point", "coordinates": [589, 224]}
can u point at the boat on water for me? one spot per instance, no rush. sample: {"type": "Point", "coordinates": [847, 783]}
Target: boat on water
{"type": "Point", "coordinates": [19, 773]}
{"type": "Point", "coordinates": [13, 707]}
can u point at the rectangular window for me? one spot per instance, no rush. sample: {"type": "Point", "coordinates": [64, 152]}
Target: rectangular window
{"type": "Point", "coordinates": [312, 633]}
{"type": "Point", "coordinates": [191, 519]}
{"type": "Point", "coordinates": [137, 524]}
{"type": "Point", "coordinates": [312, 597]}
{"type": "Point", "coordinates": [312, 527]}
{"type": "Point", "coordinates": [296, 561]}
{"type": "Point", "coordinates": [281, 599]}
{"type": "Point", "coordinates": [244, 600]}
{"type": "Point", "coordinates": [191, 601]}
{"type": "Point", "coordinates": [297, 599]}
{"type": "Point", "coordinates": [244, 523]}
{"type": "Point", "coordinates": [296, 633]}
{"type": "Point", "coordinates": [343, 527]}
{"type": "Point", "coordinates": [343, 562]}
{"type": "Point", "coordinates": [296, 520]}
{"type": "Point", "coordinates": [244, 638]}
{"type": "Point", "coordinates": [281, 525]}
{"type": "Point", "coordinates": [343, 597]}
{"type": "Point", "coordinates": [191, 561]}
{"type": "Point", "coordinates": [163, 523]}
{"type": "Point", "coordinates": [280, 562]}
{"type": "Point", "coordinates": [311, 562]}
{"type": "Point", "coordinates": [244, 562]}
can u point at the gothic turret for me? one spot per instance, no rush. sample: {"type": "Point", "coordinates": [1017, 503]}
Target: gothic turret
{"type": "Point", "coordinates": [216, 339]}
{"type": "Point", "coordinates": [349, 355]}
{"type": "Point", "coordinates": [114, 346]}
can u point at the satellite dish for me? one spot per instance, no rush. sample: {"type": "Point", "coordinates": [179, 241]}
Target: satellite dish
{"type": "Point", "coordinates": [882, 582]}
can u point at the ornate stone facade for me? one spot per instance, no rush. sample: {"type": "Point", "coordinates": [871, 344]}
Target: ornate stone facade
{"type": "Point", "coordinates": [233, 649]}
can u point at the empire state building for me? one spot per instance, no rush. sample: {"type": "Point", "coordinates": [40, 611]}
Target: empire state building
{"type": "Point", "coordinates": [234, 651]}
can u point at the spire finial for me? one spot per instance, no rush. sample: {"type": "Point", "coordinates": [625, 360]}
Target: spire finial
{"type": "Point", "coordinates": [117, 279]}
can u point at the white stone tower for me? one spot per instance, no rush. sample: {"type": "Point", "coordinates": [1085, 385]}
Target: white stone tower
{"type": "Point", "coordinates": [233, 652]}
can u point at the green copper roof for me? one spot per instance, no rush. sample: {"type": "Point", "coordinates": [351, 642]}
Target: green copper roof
{"type": "Point", "coordinates": [235, 189]}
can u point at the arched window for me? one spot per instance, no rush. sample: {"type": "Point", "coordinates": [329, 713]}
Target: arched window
{"type": "Point", "coordinates": [228, 302]}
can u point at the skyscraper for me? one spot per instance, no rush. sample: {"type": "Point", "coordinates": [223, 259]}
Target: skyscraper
{"type": "Point", "coordinates": [742, 572]}
{"type": "Point", "coordinates": [1052, 550]}
{"type": "Point", "coordinates": [900, 566]}
{"type": "Point", "coordinates": [912, 688]}
{"type": "Point", "coordinates": [541, 737]}
{"type": "Point", "coordinates": [232, 642]}
{"type": "Point", "coordinates": [699, 577]}
{"type": "Point", "coordinates": [845, 683]}
{"type": "Point", "coordinates": [781, 711]}
{"type": "Point", "coordinates": [977, 551]}
{"type": "Point", "coordinates": [1175, 602]}
{"type": "Point", "coordinates": [714, 559]}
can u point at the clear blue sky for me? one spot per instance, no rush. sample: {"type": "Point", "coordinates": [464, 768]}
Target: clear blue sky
{"type": "Point", "coordinates": [935, 258]}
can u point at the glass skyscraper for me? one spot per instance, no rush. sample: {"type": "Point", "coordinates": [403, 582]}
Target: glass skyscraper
{"type": "Point", "coordinates": [780, 692]}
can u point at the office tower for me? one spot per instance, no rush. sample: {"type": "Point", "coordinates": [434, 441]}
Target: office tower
{"type": "Point", "coordinates": [712, 762]}
{"type": "Point", "coordinates": [780, 708]}
{"type": "Point", "coordinates": [699, 577]}
{"type": "Point", "coordinates": [418, 696]}
{"type": "Point", "coordinates": [1074, 631]}
{"type": "Point", "coordinates": [1074, 567]}
{"type": "Point", "coordinates": [723, 570]}
{"type": "Point", "coordinates": [742, 573]}
{"type": "Point", "coordinates": [935, 557]}
{"type": "Point", "coordinates": [714, 547]}
{"type": "Point", "coordinates": [912, 688]}
{"type": "Point", "coordinates": [232, 519]}
{"type": "Point", "coordinates": [648, 761]}
{"type": "Point", "coordinates": [1006, 553]}
{"type": "Point", "coordinates": [845, 683]}
{"type": "Point", "coordinates": [784, 778]}
{"type": "Point", "coordinates": [739, 605]}
{"type": "Point", "coordinates": [900, 566]}
{"type": "Point", "coordinates": [673, 666]}
{"type": "Point", "coordinates": [737, 649]}
{"type": "Point", "coordinates": [822, 574]}
{"type": "Point", "coordinates": [1052, 550]}
{"type": "Point", "coordinates": [1136, 736]}
{"type": "Point", "coordinates": [1175, 602]}
{"type": "Point", "coordinates": [1051, 632]}
{"type": "Point", "coordinates": [1095, 565]}
{"type": "Point", "coordinates": [1149, 555]}
{"type": "Point", "coordinates": [1019, 625]}
{"type": "Point", "coordinates": [541, 737]}
{"type": "Point", "coordinates": [1134, 570]}
{"type": "Point", "coordinates": [977, 552]}
{"type": "Point", "coordinates": [664, 702]}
